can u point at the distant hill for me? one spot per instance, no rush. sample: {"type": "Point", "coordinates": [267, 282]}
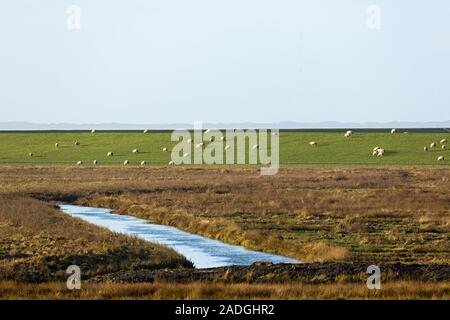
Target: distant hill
{"type": "Point", "coordinates": [6, 126]}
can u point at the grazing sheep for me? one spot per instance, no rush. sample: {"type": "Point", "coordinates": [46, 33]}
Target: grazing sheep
{"type": "Point", "coordinates": [189, 141]}
{"type": "Point", "coordinates": [380, 152]}
{"type": "Point", "coordinates": [171, 163]}
{"type": "Point", "coordinates": [255, 147]}
{"type": "Point", "coordinates": [433, 145]}
{"type": "Point", "coordinates": [93, 131]}
{"type": "Point", "coordinates": [227, 147]}
{"type": "Point", "coordinates": [77, 143]}
{"type": "Point", "coordinates": [208, 131]}
{"type": "Point", "coordinates": [56, 145]}
{"type": "Point", "coordinates": [441, 158]}
{"type": "Point", "coordinates": [348, 133]}
{"type": "Point", "coordinates": [145, 130]}
{"type": "Point", "coordinates": [143, 163]}
{"type": "Point", "coordinates": [443, 147]}
{"type": "Point", "coordinates": [393, 131]}
{"type": "Point", "coordinates": [425, 148]}
{"type": "Point", "coordinates": [110, 154]}
{"type": "Point", "coordinates": [79, 163]}
{"type": "Point", "coordinates": [222, 138]}
{"type": "Point", "coordinates": [186, 155]}
{"type": "Point", "coordinates": [211, 139]}
{"type": "Point", "coordinates": [165, 149]}
{"type": "Point", "coordinates": [126, 162]}
{"type": "Point", "coordinates": [135, 151]}
{"type": "Point", "coordinates": [313, 144]}
{"type": "Point", "coordinates": [199, 145]}
{"type": "Point", "coordinates": [443, 141]}
{"type": "Point", "coordinates": [95, 162]}
{"type": "Point", "coordinates": [31, 154]}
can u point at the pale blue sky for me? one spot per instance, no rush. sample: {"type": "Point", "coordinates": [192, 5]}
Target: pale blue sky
{"type": "Point", "coordinates": [167, 61]}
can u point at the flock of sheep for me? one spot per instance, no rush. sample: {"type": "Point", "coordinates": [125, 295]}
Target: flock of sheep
{"type": "Point", "coordinates": [376, 152]}
{"type": "Point", "coordinates": [379, 151]}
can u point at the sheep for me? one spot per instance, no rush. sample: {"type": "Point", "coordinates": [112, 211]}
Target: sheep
{"type": "Point", "coordinates": [31, 154]}
{"type": "Point", "coordinates": [313, 144]}
{"type": "Point", "coordinates": [126, 162]}
{"type": "Point", "coordinates": [110, 154]}
{"type": "Point", "coordinates": [93, 131]}
{"type": "Point", "coordinates": [95, 162]}
{"type": "Point", "coordinates": [255, 147]}
{"type": "Point", "coordinates": [348, 133]}
{"type": "Point", "coordinates": [443, 147]}
{"type": "Point", "coordinates": [208, 131]}
{"type": "Point", "coordinates": [145, 130]}
{"type": "Point", "coordinates": [425, 149]}
{"type": "Point", "coordinates": [227, 147]}
{"type": "Point", "coordinates": [380, 152]}
{"type": "Point", "coordinates": [275, 133]}
{"type": "Point", "coordinates": [56, 145]}
{"type": "Point", "coordinates": [79, 163]}
{"type": "Point", "coordinates": [77, 143]}
{"type": "Point", "coordinates": [211, 139]}
{"type": "Point", "coordinates": [441, 158]}
{"type": "Point", "coordinates": [222, 138]}
{"type": "Point", "coordinates": [171, 163]}
{"type": "Point", "coordinates": [199, 145]}
{"type": "Point", "coordinates": [135, 151]}
{"type": "Point", "coordinates": [433, 145]}
{"type": "Point", "coordinates": [393, 131]}
{"type": "Point", "coordinates": [189, 141]}
{"type": "Point", "coordinates": [186, 155]}
{"type": "Point", "coordinates": [165, 149]}
{"type": "Point", "coordinates": [443, 141]}
{"type": "Point", "coordinates": [143, 163]}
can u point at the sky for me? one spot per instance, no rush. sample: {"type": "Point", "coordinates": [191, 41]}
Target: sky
{"type": "Point", "coordinates": [171, 61]}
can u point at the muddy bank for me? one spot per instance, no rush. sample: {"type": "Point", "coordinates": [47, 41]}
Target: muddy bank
{"type": "Point", "coordinates": [267, 273]}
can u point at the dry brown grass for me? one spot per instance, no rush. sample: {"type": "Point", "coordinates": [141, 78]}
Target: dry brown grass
{"type": "Point", "coordinates": [362, 214]}
{"type": "Point", "coordinates": [38, 243]}
{"type": "Point", "coordinates": [396, 290]}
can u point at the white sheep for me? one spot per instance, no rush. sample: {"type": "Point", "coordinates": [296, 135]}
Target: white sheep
{"type": "Point", "coordinates": [110, 154]}
{"type": "Point", "coordinates": [433, 145]}
{"type": "Point", "coordinates": [255, 147]}
{"type": "Point", "coordinates": [95, 162]}
{"type": "Point", "coordinates": [56, 145]}
{"type": "Point", "coordinates": [77, 143]}
{"type": "Point", "coordinates": [135, 151]}
{"type": "Point", "coordinates": [443, 141]}
{"type": "Point", "coordinates": [145, 130]}
{"type": "Point", "coordinates": [171, 163]}
{"type": "Point", "coordinates": [313, 143]}
{"type": "Point", "coordinates": [275, 133]}
{"type": "Point", "coordinates": [443, 147]}
{"type": "Point", "coordinates": [189, 141]}
{"type": "Point", "coordinates": [393, 131]}
{"type": "Point", "coordinates": [376, 148]}
{"type": "Point", "coordinates": [208, 131]}
{"type": "Point", "coordinates": [186, 155]}
{"type": "Point", "coordinates": [227, 147]}
{"type": "Point", "coordinates": [79, 163]}
{"type": "Point", "coordinates": [199, 145]}
{"type": "Point", "coordinates": [211, 139]}
{"type": "Point", "coordinates": [31, 154]}
{"type": "Point", "coordinates": [222, 138]}
{"type": "Point", "coordinates": [348, 133]}
{"type": "Point", "coordinates": [126, 162]}
{"type": "Point", "coordinates": [380, 152]}
{"type": "Point", "coordinates": [93, 131]}
{"type": "Point", "coordinates": [441, 158]}
{"type": "Point", "coordinates": [143, 163]}
{"type": "Point", "coordinates": [165, 149]}
{"type": "Point", "coordinates": [425, 148]}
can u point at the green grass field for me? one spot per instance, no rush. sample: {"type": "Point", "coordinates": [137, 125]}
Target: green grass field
{"type": "Point", "coordinates": [402, 149]}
